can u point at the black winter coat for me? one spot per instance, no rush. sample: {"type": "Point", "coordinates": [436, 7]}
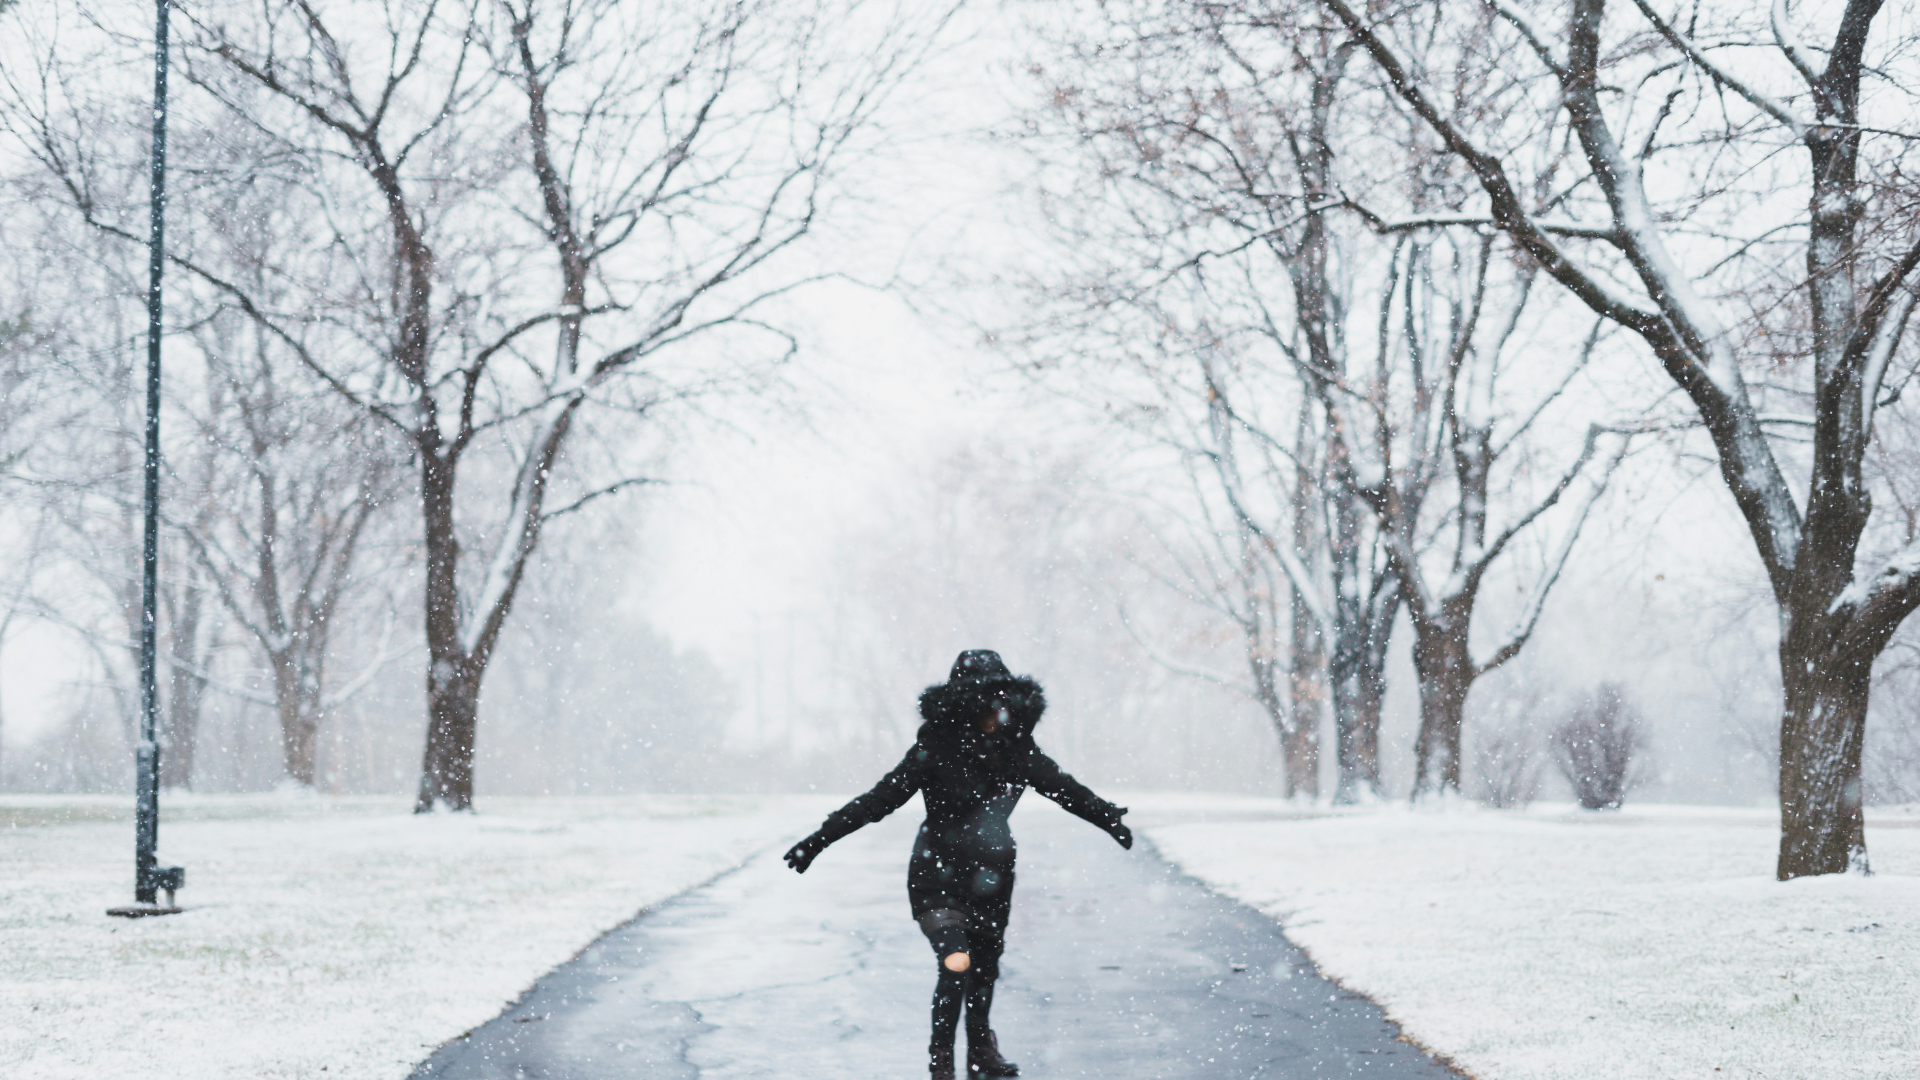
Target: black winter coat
{"type": "Point", "coordinates": [964, 853]}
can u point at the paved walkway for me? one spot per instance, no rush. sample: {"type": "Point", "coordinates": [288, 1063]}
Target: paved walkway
{"type": "Point", "coordinates": [1117, 967]}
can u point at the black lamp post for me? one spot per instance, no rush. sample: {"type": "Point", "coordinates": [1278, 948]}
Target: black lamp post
{"type": "Point", "coordinates": [149, 877]}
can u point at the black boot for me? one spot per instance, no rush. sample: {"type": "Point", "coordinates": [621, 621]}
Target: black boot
{"type": "Point", "coordinates": [983, 1058]}
{"type": "Point", "coordinates": [940, 1062]}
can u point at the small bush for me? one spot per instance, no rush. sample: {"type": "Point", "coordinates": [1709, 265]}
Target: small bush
{"type": "Point", "coordinates": [1597, 745]}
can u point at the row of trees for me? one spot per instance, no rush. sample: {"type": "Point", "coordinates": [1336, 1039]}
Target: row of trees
{"type": "Point", "coordinates": [1383, 279]}
{"type": "Point", "coordinates": [1381, 276]}
{"type": "Point", "coordinates": [458, 269]}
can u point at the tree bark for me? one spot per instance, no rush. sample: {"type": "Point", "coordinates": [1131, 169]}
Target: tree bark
{"type": "Point", "coordinates": [1370, 685]}
{"type": "Point", "coordinates": [446, 769]}
{"type": "Point", "coordinates": [453, 708]}
{"type": "Point", "coordinates": [1349, 650]}
{"type": "Point", "coordinates": [295, 689]}
{"type": "Point", "coordinates": [1302, 750]}
{"type": "Point", "coordinates": [1305, 688]}
{"type": "Point", "coordinates": [1445, 672]}
{"type": "Point", "coordinates": [1821, 735]}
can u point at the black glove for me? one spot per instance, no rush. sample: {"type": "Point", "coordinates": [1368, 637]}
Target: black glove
{"type": "Point", "coordinates": [801, 855]}
{"type": "Point", "coordinates": [1120, 833]}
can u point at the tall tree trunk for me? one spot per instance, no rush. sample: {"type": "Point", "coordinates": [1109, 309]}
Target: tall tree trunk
{"type": "Point", "coordinates": [293, 693]}
{"type": "Point", "coordinates": [1306, 691]}
{"type": "Point", "coordinates": [1370, 681]}
{"type": "Point", "coordinates": [1821, 734]}
{"type": "Point", "coordinates": [1444, 669]}
{"type": "Point", "coordinates": [1302, 749]}
{"type": "Point", "coordinates": [457, 654]}
{"type": "Point", "coordinates": [1306, 642]}
{"type": "Point", "coordinates": [1352, 736]}
{"type": "Point", "coordinates": [1827, 649]}
{"type": "Point", "coordinates": [446, 770]}
{"type": "Point", "coordinates": [453, 708]}
{"type": "Point", "coordinates": [1356, 727]}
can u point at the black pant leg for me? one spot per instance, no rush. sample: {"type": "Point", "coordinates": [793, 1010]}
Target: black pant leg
{"type": "Point", "coordinates": [948, 994]}
{"type": "Point", "coordinates": [987, 928]}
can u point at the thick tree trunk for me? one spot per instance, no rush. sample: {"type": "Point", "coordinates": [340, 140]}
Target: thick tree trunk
{"type": "Point", "coordinates": [1356, 738]}
{"type": "Point", "coordinates": [446, 774]}
{"type": "Point", "coordinates": [446, 770]}
{"type": "Point", "coordinates": [293, 694]}
{"type": "Point", "coordinates": [1358, 675]}
{"type": "Point", "coordinates": [1826, 675]}
{"type": "Point", "coordinates": [1302, 747]}
{"type": "Point", "coordinates": [1821, 733]}
{"type": "Point", "coordinates": [1445, 672]}
{"type": "Point", "coordinates": [1356, 714]}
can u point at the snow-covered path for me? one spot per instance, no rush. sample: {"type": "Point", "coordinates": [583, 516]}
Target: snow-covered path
{"type": "Point", "coordinates": [1116, 966]}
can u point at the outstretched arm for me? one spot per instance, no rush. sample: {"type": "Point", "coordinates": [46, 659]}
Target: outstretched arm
{"type": "Point", "coordinates": [1076, 798]}
{"type": "Point", "coordinates": [890, 794]}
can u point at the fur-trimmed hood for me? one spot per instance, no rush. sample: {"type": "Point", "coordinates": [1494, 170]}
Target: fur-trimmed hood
{"type": "Point", "coordinates": [981, 681]}
{"type": "Point", "coordinates": [947, 708]}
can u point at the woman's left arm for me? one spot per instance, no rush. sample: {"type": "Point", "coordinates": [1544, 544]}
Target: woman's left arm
{"type": "Point", "coordinates": [1049, 779]}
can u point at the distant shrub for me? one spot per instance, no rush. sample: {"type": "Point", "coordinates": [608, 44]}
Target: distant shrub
{"type": "Point", "coordinates": [1596, 747]}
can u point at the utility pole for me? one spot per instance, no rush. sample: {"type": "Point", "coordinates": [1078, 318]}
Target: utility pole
{"type": "Point", "coordinates": [149, 877]}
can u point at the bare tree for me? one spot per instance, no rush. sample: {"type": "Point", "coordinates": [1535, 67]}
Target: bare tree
{"type": "Point", "coordinates": [625, 179]}
{"type": "Point", "coordinates": [1453, 366]}
{"type": "Point", "coordinates": [271, 480]}
{"type": "Point", "coordinates": [1598, 746]}
{"type": "Point", "coordinates": [1228, 160]}
{"type": "Point", "coordinates": [280, 538]}
{"type": "Point", "coordinates": [1222, 563]}
{"type": "Point", "coordinates": [1651, 257]}
{"type": "Point", "coordinates": [1172, 238]}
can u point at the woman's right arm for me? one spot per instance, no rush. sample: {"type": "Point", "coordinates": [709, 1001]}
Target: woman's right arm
{"type": "Point", "coordinates": [890, 794]}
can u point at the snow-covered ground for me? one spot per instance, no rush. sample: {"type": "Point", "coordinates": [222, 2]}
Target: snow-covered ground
{"type": "Point", "coordinates": [1557, 943]}
{"type": "Point", "coordinates": [323, 937]}
{"type": "Point", "coordinates": [347, 938]}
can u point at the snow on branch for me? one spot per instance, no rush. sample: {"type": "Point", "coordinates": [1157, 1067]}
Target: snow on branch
{"type": "Point", "coordinates": [1784, 37]}
{"type": "Point", "coordinates": [1387, 226]}
{"type": "Point", "coordinates": [1886, 336]}
{"type": "Point", "coordinates": [1509, 212]}
{"type": "Point", "coordinates": [381, 658]}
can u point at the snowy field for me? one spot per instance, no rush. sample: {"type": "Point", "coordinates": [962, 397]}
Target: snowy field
{"type": "Point", "coordinates": [348, 938]}
{"type": "Point", "coordinates": [323, 937]}
{"type": "Point", "coordinates": [1557, 943]}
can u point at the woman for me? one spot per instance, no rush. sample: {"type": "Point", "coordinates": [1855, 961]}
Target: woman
{"type": "Point", "coordinates": [972, 761]}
